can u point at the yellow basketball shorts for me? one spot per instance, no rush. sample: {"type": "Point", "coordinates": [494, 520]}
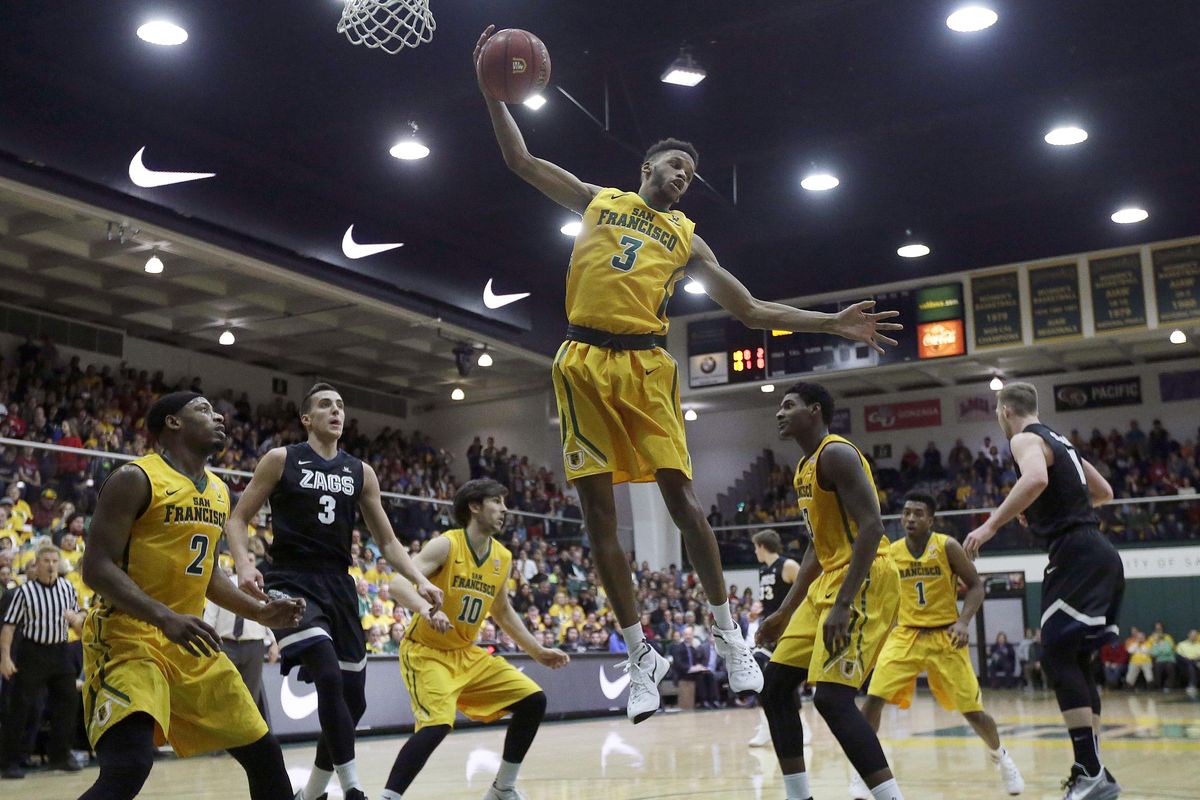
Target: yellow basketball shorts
{"type": "Point", "coordinates": [911, 651]}
{"type": "Point", "coordinates": [873, 615]}
{"type": "Point", "coordinates": [619, 412]}
{"type": "Point", "coordinates": [469, 679]}
{"type": "Point", "coordinates": [200, 703]}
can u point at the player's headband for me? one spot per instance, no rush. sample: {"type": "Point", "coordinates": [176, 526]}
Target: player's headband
{"type": "Point", "coordinates": [165, 406]}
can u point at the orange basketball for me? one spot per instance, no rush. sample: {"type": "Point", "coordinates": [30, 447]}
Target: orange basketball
{"type": "Point", "coordinates": [514, 64]}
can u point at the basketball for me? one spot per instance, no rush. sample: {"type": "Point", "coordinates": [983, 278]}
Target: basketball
{"type": "Point", "coordinates": [514, 64]}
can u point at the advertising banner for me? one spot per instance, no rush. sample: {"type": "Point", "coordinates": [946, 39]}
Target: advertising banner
{"type": "Point", "coordinates": [1097, 394]}
{"type": "Point", "coordinates": [914, 414]}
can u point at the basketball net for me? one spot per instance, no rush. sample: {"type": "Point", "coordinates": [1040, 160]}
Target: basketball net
{"type": "Point", "coordinates": [390, 25]}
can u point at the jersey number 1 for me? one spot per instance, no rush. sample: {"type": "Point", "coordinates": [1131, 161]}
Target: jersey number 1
{"type": "Point", "coordinates": [1065, 442]}
{"type": "Point", "coordinates": [920, 586]}
{"type": "Point", "coordinates": [631, 244]}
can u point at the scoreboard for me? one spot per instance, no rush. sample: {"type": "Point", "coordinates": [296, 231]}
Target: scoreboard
{"type": "Point", "coordinates": [723, 351]}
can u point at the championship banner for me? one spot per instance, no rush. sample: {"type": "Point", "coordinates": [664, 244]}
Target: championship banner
{"type": "Point", "coordinates": [1098, 394]}
{"type": "Point", "coordinates": [1054, 298]}
{"type": "Point", "coordinates": [1118, 296]}
{"type": "Point", "coordinates": [1177, 283]}
{"type": "Point", "coordinates": [893, 416]}
{"type": "Point", "coordinates": [996, 302]}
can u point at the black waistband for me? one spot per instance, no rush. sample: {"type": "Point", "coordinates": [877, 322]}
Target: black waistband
{"type": "Point", "coordinates": [616, 341]}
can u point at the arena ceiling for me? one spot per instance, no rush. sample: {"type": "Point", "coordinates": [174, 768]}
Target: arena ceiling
{"type": "Point", "coordinates": [929, 131]}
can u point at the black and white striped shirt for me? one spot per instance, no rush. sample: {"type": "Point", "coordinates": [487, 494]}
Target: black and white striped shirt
{"type": "Point", "coordinates": [37, 610]}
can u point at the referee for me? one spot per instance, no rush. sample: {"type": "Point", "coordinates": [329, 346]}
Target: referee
{"type": "Point", "coordinates": [42, 608]}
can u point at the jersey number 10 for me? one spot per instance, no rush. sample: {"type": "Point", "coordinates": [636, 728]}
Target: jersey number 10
{"type": "Point", "coordinates": [472, 608]}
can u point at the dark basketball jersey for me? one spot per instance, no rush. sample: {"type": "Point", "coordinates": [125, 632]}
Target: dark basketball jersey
{"type": "Point", "coordinates": [313, 510]}
{"type": "Point", "coordinates": [1064, 505]}
{"type": "Point", "coordinates": [771, 587]}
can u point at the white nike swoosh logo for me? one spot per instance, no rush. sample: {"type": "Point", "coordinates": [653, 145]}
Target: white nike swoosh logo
{"type": "Point", "coordinates": [613, 689]}
{"type": "Point", "coordinates": [294, 705]}
{"type": "Point", "coordinates": [149, 178]}
{"type": "Point", "coordinates": [492, 300]}
{"type": "Point", "coordinates": [482, 760]}
{"type": "Point", "coordinates": [353, 249]}
{"type": "Point", "coordinates": [303, 462]}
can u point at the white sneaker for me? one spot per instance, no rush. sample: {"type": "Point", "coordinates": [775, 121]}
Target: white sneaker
{"type": "Point", "coordinates": [1013, 782]}
{"type": "Point", "coordinates": [503, 794]}
{"type": "Point", "coordinates": [744, 672]}
{"type": "Point", "coordinates": [646, 668]}
{"type": "Point", "coordinates": [1081, 787]}
{"type": "Point", "coordinates": [762, 736]}
{"type": "Point", "coordinates": [858, 787]}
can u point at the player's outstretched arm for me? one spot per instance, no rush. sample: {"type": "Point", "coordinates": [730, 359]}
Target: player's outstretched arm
{"type": "Point", "coordinates": [771, 628]}
{"type": "Point", "coordinates": [1029, 453]}
{"type": "Point", "coordinates": [123, 498]}
{"type": "Point", "coordinates": [370, 503]}
{"type": "Point", "coordinates": [841, 469]}
{"type": "Point", "coordinates": [237, 527]}
{"type": "Point", "coordinates": [858, 322]}
{"type": "Point", "coordinates": [427, 562]}
{"type": "Point", "coordinates": [550, 179]}
{"type": "Point", "coordinates": [273, 614]}
{"type": "Point", "coordinates": [1099, 489]}
{"type": "Point", "coordinates": [965, 571]}
{"type": "Point", "coordinates": [510, 622]}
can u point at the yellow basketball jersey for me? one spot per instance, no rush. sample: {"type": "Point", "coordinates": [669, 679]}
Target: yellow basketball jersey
{"type": "Point", "coordinates": [173, 545]}
{"type": "Point", "coordinates": [469, 586]}
{"type": "Point", "coordinates": [928, 587]}
{"type": "Point", "coordinates": [627, 259]}
{"type": "Point", "coordinates": [832, 528]}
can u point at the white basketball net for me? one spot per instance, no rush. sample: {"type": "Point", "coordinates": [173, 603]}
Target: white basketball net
{"type": "Point", "coordinates": [390, 25]}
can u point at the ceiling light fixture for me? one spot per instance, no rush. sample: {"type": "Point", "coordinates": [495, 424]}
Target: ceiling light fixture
{"type": "Point", "coordinates": [227, 338]}
{"type": "Point", "coordinates": [458, 394]}
{"type": "Point", "coordinates": [409, 149]}
{"type": "Point", "coordinates": [535, 101]}
{"type": "Point", "coordinates": [485, 360]}
{"type": "Point", "coordinates": [571, 228]}
{"type": "Point", "coordinates": [819, 182]}
{"type": "Point", "coordinates": [915, 250]}
{"type": "Point", "coordinates": [969, 19]}
{"type": "Point", "coordinates": [684, 71]}
{"type": "Point", "coordinates": [693, 286]}
{"type": "Point", "coordinates": [1178, 337]}
{"type": "Point", "coordinates": [154, 264]}
{"type": "Point", "coordinates": [1066, 136]}
{"type": "Point", "coordinates": [1128, 216]}
{"type": "Point", "coordinates": [690, 415]}
{"type": "Point", "coordinates": [996, 384]}
{"type": "Point", "coordinates": [767, 388]}
{"type": "Point", "coordinates": [161, 32]}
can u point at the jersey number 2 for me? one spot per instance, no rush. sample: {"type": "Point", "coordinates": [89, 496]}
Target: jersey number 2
{"type": "Point", "coordinates": [200, 545]}
{"type": "Point", "coordinates": [471, 610]}
{"type": "Point", "coordinates": [328, 505]}
{"type": "Point", "coordinates": [631, 244]}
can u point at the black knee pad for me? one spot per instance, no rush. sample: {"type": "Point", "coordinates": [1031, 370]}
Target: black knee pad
{"type": "Point", "coordinates": [123, 778]}
{"type": "Point", "coordinates": [354, 690]}
{"type": "Point", "coordinates": [834, 701]}
{"type": "Point", "coordinates": [533, 706]}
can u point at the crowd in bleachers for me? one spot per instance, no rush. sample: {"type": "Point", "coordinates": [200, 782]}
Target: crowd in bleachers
{"type": "Point", "coordinates": [1138, 464]}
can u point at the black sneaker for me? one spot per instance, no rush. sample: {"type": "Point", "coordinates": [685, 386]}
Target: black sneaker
{"type": "Point", "coordinates": [356, 794]}
{"type": "Point", "coordinates": [66, 765]}
{"type": "Point", "coordinates": [12, 774]}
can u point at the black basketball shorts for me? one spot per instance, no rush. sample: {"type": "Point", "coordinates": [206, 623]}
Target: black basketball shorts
{"type": "Point", "coordinates": [330, 613]}
{"type": "Point", "coordinates": [1082, 590]}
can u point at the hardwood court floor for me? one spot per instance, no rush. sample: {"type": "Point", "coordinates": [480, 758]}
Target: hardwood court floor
{"type": "Point", "coordinates": [1152, 745]}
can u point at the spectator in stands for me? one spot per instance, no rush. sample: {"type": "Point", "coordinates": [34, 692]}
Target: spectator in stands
{"type": "Point", "coordinates": [572, 643]}
{"type": "Point", "coordinates": [1115, 658]}
{"type": "Point", "coordinates": [1031, 667]}
{"type": "Point", "coordinates": [689, 661]}
{"type": "Point", "coordinates": [1140, 660]}
{"type": "Point", "coordinates": [46, 512]}
{"type": "Point", "coordinates": [1002, 663]}
{"type": "Point", "coordinates": [1189, 654]}
{"type": "Point", "coordinates": [1162, 650]}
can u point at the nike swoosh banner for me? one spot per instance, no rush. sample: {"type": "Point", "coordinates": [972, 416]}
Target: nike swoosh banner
{"type": "Point", "coordinates": [574, 690]}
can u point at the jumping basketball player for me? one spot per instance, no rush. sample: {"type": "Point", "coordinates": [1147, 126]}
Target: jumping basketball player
{"type": "Point", "coordinates": [618, 388]}
{"type": "Point", "coordinates": [932, 636]}
{"type": "Point", "coordinates": [443, 669]}
{"type": "Point", "coordinates": [316, 491]}
{"type": "Point", "coordinates": [154, 670]}
{"type": "Point", "coordinates": [1085, 579]}
{"type": "Point", "coordinates": [776, 574]}
{"type": "Point", "coordinates": [839, 610]}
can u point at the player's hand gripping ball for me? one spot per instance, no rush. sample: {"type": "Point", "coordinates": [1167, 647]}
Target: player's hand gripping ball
{"type": "Point", "coordinates": [512, 64]}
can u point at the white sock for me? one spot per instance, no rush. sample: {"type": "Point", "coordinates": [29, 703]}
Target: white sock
{"type": "Point", "coordinates": [796, 785]}
{"type": "Point", "coordinates": [388, 794]}
{"type": "Point", "coordinates": [318, 779]}
{"type": "Point", "coordinates": [722, 616]}
{"type": "Point", "coordinates": [888, 790]}
{"type": "Point", "coordinates": [998, 753]}
{"type": "Point", "coordinates": [347, 775]}
{"type": "Point", "coordinates": [633, 636]}
{"type": "Point", "coordinates": [507, 775]}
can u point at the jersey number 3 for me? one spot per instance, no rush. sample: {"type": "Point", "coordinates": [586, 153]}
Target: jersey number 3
{"type": "Point", "coordinates": [328, 506]}
{"type": "Point", "coordinates": [628, 257]}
